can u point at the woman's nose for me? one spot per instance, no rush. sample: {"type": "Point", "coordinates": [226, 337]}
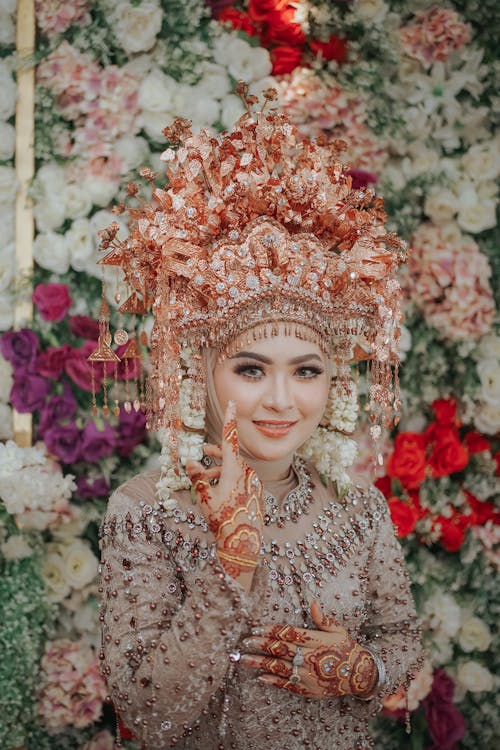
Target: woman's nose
{"type": "Point", "coordinates": [278, 396]}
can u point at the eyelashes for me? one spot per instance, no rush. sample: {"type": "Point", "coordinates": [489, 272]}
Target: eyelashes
{"type": "Point", "coordinates": [254, 371]}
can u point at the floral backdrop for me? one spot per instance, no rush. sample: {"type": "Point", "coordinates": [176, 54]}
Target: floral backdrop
{"type": "Point", "coordinates": [412, 87]}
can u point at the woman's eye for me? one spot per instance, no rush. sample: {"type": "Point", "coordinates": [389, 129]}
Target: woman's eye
{"type": "Point", "coordinates": [308, 372]}
{"type": "Point", "coordinates": [250, 371]}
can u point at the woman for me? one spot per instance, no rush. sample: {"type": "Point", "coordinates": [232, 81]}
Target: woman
{"type": "Point", "coordinates": [247, 603]}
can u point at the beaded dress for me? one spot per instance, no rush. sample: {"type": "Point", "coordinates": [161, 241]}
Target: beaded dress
{"type": "Point", "coordinates": [173, 619]}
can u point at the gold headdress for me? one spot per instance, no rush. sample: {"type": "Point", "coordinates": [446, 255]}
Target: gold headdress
{"type": "Point", "coordinates": [255, 227]}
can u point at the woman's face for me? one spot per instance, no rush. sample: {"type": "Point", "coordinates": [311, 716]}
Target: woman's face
{"type": "Point", "coordinates": [280, 386]}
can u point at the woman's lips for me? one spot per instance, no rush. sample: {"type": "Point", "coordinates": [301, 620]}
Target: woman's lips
{"type": "Point", "coordinates": [273, 428]}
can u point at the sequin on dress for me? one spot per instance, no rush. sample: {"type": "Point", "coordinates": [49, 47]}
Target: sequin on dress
{"type": "Point", "coordinates": [172, 620]}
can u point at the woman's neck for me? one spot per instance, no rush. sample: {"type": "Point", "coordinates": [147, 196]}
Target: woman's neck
{"type": "Point", "coordinates": [269, 471]}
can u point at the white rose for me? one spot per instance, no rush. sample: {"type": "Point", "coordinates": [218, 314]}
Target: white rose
{"type": "Point", "coordinates": [487, 418]}
{"type": "Point", "coordinates": [8, 186]}
{"type": "Point", "coordinates": [482, 161]}
{"type": "Point", "coordinates": [214, 79]}
{"type": "Point", "coordinates": [54, 577]}
{"type": "Point", "coordinates": [80, 244]}
{"type": "Point", "coordinates": [102, 219]}
{"type": "Point", "coordinates": [5, 379]}
{"type": "Point", "coordinates": [77, 201]}
{"type": "Point", "coordinates": [50, 178]}
{"type": "Point", "coordinates": [444, 613]}
{"type": "Point", "coordinates": [49, 212]}
{"type": "Point", "coordinates": [440, 206]}
{"type": "Point", "coordinates": [158, 92]}
{"type": "Point", "coordinates": [424, 159]}
{"type": "Point", "coordinates": [488, 347]}
{"type": "Point", "coordinates": [80, 565]}
{"type": "Point", "coordinates": [50, 251]}
{"type": "Point", "coordinates": [370, 10]}
{"type": "Point", "coordinates": [477, 217]}
{"type": "Point", "coordinates": [451, 234]}
{"type": "Point", "coordinates": [244, 62]}
{"type": "Point", "coordinates": [474, 635]}
{"type": "Point", "coordinates": [101, 191]}
{"type": "Point", "coordinates": [6, 311]}
{"type": "Point", "coordinates": [136, 26]}
{"type": "Point", "coordinates": [153, 123]}
{"type": "Point", "coordinates": [132, 150]}
{"type": "Point", "coordinates": [7, 266]}
{"type": "Point", "coordinates": [404, 342]}
{"type": "Point", "coordinates": [7, 139]}
{"type": "Point", "coordinates": [474, 677]}
{"type": "Point", "coordinates": [199, 106]}
{"type": "Point", "coordinates": [441, 648]}
{"type": "Point", "coordinates": [16, 548]}
{"type": "Point", "coordinates": [7, 29]}
{"type": "Point", "coordinates": [489, 375]}
{"type": "Point", "coordinates": [9, 92]}
{"type": "Point", "coordinates": [232, 109]}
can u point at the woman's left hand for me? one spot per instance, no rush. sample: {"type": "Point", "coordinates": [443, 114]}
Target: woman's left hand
{"type": "Point", "coordinates": [314, 663]}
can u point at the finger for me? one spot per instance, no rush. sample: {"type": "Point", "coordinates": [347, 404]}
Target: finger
{"type": "Point", "coordinates": [230, 448]}
{"type": "Point", "coordinates": [290, 634]}
{"type": "Point", "coordinates": [324, 622]}
{"type": "Point", "coordinates": [196, 472]}
{"type": "Point", "coordinates": [268, 664]}
{"type": "Point", "coordinates": [214, 451]}
{"type": "Point", "coordinates": [282, 682]}
{"type": "Point", "coordinates": [274, 648]}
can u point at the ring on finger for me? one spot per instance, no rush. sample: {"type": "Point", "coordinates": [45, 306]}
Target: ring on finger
{"type": "Point", "coordinates": [294, 677]}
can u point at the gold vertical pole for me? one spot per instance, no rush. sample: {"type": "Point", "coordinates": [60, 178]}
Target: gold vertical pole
{"type": "Point", "coordinates": [25, 169]}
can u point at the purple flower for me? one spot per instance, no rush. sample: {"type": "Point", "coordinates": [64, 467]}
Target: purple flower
{"type": "Point", "coordinates": [29, 392]}
{"type": "Point", "coordinates": [89, 490]}
{"type": "Point", "coordinates": [20, 348]}
{"type": "Point", "coordinates": [97, 443]}
{"type": "Point", "coordinates": [131, 431]}
{"type": "Point", "coordinates": [58, 409]}
{"type": "Point", "coordinates": [64, 441]}
{"type": "Point", "coordinates": [445, 722]}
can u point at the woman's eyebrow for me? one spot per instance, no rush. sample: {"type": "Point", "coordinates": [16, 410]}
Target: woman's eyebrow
{"type": "Point", "coordinates": [267, 361]}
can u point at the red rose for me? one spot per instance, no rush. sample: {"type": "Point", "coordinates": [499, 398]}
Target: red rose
{"type": "Point", "coordinates": [482, 510]}
{"type": "Point", "coordinates": [445, 411]}
{"type": "Point", "coordinates": [334, 49]}
{"type": "Point", "coordinates": [285, 59]}
{"type": "Point", "coordinates": [84, 327]}
{"type": "Point", "coordinates": [408, 463]}
{"type": "Point", "coordinates": [281, 28]}
{"type": "Point", "coordinates": [79, 368]}
{"type": "Point", "coordinates": [452, 532]}
{"type": "Point", "coordinates": [476, 443]}
{"type": "Point", "coordinates": [50, 363]}
{"type": "Point", "coordinates": [238, 20]}
{"type": "Point", "coordinates": [52, 300]}
{"type": "Point", "coordinates": [258, 10]}
{"type": "Point", "coordinates": [384, 484]}
{"type": "Point", "coordinates": [448, 454]}
{"type": "Point", "coordinates": [404, 515]}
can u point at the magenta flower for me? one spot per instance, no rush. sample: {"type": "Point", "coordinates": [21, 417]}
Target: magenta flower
{"type": "Point", "coordinates": [131, 431]}
{"type": "Point", "coordinates": [97, 444]}
{"type": "Point", "coordinates": [91, 489]}
{"type": "Point", "coordinates": [57, 409]}
{"type": "Point", "coordinates": [50, 362]}
{"type": "Point", "coordinates": [64, 442]}
{"type": "Point", "coordinates": [445, 722]}
{"type": "Point", "coordinates": [84, 327]}
{"type": "Point", "coordinates": [29, 392]}
{"type": "Point", "coordinates": [79, 368]}
{"type": "Point", "coordinates": [20, 348]}
{"type": "Point", "coordinates": [52, 301]}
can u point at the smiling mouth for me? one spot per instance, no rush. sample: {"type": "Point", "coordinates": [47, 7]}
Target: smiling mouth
{"type": "Point", "coordinates": [274, 428]}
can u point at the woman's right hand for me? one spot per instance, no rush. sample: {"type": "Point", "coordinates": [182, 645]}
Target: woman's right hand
{"type": "Point", "coordinates": [231, 497]}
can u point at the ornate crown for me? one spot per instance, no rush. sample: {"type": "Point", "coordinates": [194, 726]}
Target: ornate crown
{"type": "Point", "coordinates": [253, 227]}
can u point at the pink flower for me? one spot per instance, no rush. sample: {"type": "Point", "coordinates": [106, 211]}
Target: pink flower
{"type": "Point", "coordinates": [52, 300]}
{"type": "Point", "coordinates": [72, 691]}
{"type": "Point", "coordinates": [434, 34]}
{"type": "Point", "coordinates": [319, 107]}
{"type": "Point", "coordinates": [449, 282]}
{"type": "Point", "coordinates": [55, 16]}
